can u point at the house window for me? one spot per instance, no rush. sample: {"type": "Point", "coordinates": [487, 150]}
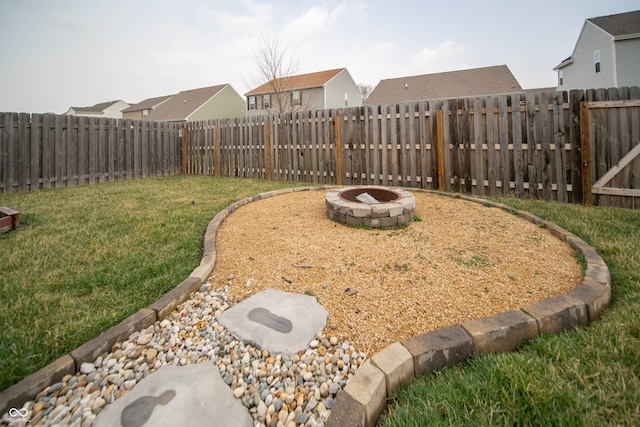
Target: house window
{"type": "Point", "coordinates": [145, 113]}
{"type": "Point", "coordinates": [296, 97]}
{"type": "Point", "coordinates": [252, 103]}
{"type": "Point", "coordinates": [346, 99]}
{"type": "Point", "coordinates": [266, 101]}
{"type": "Point", "coordinates": [596, 60]}
{"type": "Point", "coordinates": [560, 78]}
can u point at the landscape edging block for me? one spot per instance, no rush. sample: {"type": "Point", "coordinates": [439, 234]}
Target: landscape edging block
{"type": "Point", "coordinates": [89, 351]}
{"type": "Point", "coordinates": [396, 363]}
{"type": "Point", "coordinates": [501, 332]}
{"type": "Point", "coordinates": [596, 297]}
{"type": "Point", "coordinates": [437, 349]}
{"type": "Point", "coordinates": [558, 314]}
{"type": "Point", "coordinates": [346, 412]}
{"type": "Point", "coordinates": [368, 386]}
{"type": "Point", "coordinates": [31, 385]}
{"type": "Point", "coordinates": [169, 301]}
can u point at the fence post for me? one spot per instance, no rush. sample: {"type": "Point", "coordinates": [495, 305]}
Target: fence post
{"type": "Point", "coordinates": [184, 151]}
{"type": "Point", "coordinates": [575, 97]}
{"type": "Point", "coordinates": [585, 148]}
{"type": "Point", "coordinates": [216, 150]}
{"type": "Point", "coordinates": [338, 145]}
{"type": "Point", "coordinates": [267, 150]}
{"type": "Point", "coordinates": [440, 149]}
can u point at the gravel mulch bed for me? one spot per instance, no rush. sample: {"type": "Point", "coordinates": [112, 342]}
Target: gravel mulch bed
{"type": "Point", "coordinates": [461, 261]}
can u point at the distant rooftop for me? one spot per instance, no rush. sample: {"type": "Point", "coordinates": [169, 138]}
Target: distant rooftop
{"type": "Point", "coordinates": [300, 81]}
{"type": "Point", "coordinates": [452, 84]}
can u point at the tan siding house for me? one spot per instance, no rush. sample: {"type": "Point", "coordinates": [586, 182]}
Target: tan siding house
{"type": "Point", "coordinates": [452, 84]}
{"type": "Point", "coordinates": [207, 103]}
{"type": "Point", "coordinates": [111, 109]}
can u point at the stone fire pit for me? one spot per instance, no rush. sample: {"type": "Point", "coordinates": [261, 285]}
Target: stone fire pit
{"type": "Point", "coordinates": [371, 206]}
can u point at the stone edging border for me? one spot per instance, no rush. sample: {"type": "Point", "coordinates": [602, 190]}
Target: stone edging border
{"type": "Point", "coordinates": [364, 398]}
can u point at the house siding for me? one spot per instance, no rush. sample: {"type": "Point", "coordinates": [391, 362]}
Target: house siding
{"type": "Point", "coordinates": [132, 115]}
{"type": "Point", "coordinates": [312, 99]}
{"type": "Point", "coordinates": [580, 74]}
{"type": "Point", "coordinates": [113, 111]}
{"type": "Point", "coordinates": [337, 87]}
{"type": "Point", "coordinates": [225, 104]}
{"type": "Point", "coordinates": [628, 62]}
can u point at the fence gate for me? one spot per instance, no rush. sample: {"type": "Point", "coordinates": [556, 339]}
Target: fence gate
{"type": "Point", "coordinates": [610, 139]}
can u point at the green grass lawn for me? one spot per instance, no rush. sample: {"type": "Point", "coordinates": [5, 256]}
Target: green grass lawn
{"type": "Point", "coordinates": [87, 257]}
{"type": "Point", "coordinates": [586, 377]}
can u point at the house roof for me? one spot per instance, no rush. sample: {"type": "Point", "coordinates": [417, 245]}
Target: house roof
{"type": "Point", "coordinates": [300, 81]}
{"type": "Point", "coordinates": [95, 109]}
{"type": "Point", "coordinates": [453, 84]}
{"type": "Point", "coordinates": [621, 24]}
{"type": "Point", "coordinates": [180, 106]}
{"type": "Point", "coordinates": [147, 104]}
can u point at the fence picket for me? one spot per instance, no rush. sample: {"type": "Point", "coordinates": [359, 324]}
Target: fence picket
{"type": "Point", "coordinates": [35, 151]}
{"type": "Point", "coordinates": [503, 119]}
{"type": "Point", "coordinates": [516, 126]}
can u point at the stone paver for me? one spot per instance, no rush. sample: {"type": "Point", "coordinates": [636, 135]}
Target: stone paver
{"type": "Point", "coordinates": [278, 321]}
{"type": "Point", "coordinates": [193, 395]}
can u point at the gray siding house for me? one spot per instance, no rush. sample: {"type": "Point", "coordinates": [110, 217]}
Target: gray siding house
{"type": "Point", "coordinates": [305, 92]}
{"type": "Point", "coordinates": [607, 54]}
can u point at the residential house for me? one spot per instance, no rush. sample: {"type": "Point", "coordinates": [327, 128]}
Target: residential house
{"type": "Point", "coordinates": [495, 80]}
{"type": "Point", "coordinates": [304, 92]}
{"type": "Point", "coordinates": [111, 109]}
{"type": "Point", "coordinates": [214, 102]}
{"type": "Point", "coordinates": [607, 54]}
{"type": "Point", "coordinates": [141, 110]}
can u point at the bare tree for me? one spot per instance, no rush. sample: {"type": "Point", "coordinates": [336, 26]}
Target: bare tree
{"type": "Point", "coordinates": [365, 90]}
{"type": "Point", "coordinates": [274, 65]}
{"type": "Point", "coordinates": [274, 91]}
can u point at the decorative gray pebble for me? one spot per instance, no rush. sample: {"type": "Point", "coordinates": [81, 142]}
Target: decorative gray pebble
{"type": "Point", "coordinates": [192, 334]}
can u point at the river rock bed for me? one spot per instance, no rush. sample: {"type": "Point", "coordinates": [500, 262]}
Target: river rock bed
{"type": "Point", "coordinates": [278, 390]}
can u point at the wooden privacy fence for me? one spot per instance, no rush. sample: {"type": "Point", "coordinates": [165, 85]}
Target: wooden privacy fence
{"type": "Point", "coordinates": [526, 145]}
{"type": "Point", "coordinates": [39, 151]}
{"type": "Point", "coordinates": [577, 147]}
{"type": "Point", "coordinates": [610, 124]}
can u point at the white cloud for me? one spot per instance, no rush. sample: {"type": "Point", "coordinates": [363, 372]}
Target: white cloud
{"type": "Point", "coordinates": [311, 23]}
{"type": "Point", "coordinates": [447, 56]}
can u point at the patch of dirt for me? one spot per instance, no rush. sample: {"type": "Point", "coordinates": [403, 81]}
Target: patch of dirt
{"type": "Point", "coordinates": [462, 261]}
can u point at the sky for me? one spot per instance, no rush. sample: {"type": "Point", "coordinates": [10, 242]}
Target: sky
{"type": "Point", "coordinates": [56, 54]}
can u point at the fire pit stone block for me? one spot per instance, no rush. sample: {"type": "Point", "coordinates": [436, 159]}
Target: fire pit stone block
{"type": "Point", "coordinates": [394, 206]}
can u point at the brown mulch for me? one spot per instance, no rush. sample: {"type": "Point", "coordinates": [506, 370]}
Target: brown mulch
{"type": "Point", "coordinates": [462, 261]}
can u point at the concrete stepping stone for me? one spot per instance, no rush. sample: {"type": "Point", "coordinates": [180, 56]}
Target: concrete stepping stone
{"type": "Point", "coordinates": [278, 321]}
{"type": "Point", "coordinates": [192, 395]}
